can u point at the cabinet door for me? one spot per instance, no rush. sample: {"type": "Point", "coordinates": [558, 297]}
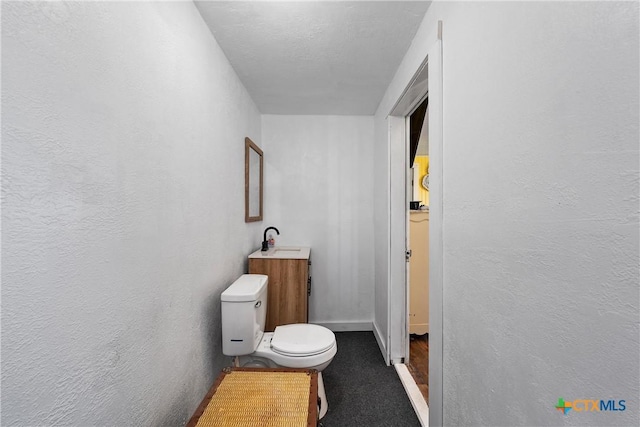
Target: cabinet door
{"type": "Point", "coordinates": [287, 289]}
{"type": "Point", "coordinates": [419, 274]}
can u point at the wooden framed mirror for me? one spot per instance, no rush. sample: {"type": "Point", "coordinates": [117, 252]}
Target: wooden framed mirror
{"type": "Point", "coordinates": [253, 166]}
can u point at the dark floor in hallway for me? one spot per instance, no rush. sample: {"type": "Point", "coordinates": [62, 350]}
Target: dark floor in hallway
{"type": "Point", "coordinates": [361, 389]}
{"type": "Point", "coordinates": [419, 362]}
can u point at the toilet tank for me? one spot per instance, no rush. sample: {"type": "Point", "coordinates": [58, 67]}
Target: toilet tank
{"type": "Point", "coordinates": [244, 313]}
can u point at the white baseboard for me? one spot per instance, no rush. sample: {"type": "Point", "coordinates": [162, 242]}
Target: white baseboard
{"type": "Point", "coordinates": [381, 343]}
{"type": "Point", "coordinates": [346, 326]}
{"type": "Point", "coordinates": [414, 394]}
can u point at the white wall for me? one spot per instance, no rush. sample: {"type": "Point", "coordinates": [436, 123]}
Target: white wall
{"type": "Point", "coordinates": [381, 229]}
{"type": "Point", "coordinates": [540, 208]}
{"type": "Point", "coordinates": [123, 210]}
{"type": "Point", "coordinates": [319, 193]}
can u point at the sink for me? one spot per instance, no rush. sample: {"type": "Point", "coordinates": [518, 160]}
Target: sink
{"type": "Point", "coordinates": [285, 252]}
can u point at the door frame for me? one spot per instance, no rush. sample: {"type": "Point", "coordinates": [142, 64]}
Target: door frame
{"type": "Point", "coordinates": [398, 327]}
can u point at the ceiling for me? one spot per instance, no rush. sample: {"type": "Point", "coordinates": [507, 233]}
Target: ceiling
{"type": "Point", "coordinates": [314, 57]}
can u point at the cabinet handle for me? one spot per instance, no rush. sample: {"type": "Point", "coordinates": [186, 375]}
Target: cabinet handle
{"type": "Point", "coordinates": [309, 286]}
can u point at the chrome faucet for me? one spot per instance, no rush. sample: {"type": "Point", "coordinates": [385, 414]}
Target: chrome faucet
{"type": "Point", "coordinates": [265, 243]}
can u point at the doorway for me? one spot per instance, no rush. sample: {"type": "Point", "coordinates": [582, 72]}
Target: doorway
{"type": "Point", "coordinates": [417, 357]}
{"type": "Point", "coordinates": [427, 80]}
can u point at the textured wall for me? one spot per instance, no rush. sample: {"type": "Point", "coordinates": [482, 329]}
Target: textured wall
{"type": "Point", "coordinates": [123, 132]}
{"type": "Point", "coordinates": [541, 212]}
{"type": "Point", "coordinates": [319, 193]}
{"type": "Point", "coordinates": [540, 208]}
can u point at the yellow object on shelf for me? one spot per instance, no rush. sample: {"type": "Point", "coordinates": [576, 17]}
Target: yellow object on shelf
{"type": "Point", "coordinates": [422, 165]}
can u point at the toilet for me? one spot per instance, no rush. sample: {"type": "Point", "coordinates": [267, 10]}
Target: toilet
{"type": "Point", "coordinates": [298, 345]}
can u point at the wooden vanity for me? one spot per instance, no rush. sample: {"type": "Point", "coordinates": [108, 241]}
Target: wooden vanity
{"type": "Point", "coordinates": [289, 284]}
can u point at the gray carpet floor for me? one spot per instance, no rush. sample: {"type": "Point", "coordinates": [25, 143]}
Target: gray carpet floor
{"type": "Point", "coordinates": [361, 389]}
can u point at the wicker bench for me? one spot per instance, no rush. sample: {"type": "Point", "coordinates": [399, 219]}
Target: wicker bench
{"type": "Point", "coordinates": [260, 397]}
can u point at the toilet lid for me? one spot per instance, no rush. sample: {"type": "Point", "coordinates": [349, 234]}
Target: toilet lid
{"type": "Point", "coordinates": [302, 339]}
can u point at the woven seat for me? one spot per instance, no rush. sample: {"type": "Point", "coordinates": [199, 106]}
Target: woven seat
{"type": "Point", "coordinates": [260, 397]}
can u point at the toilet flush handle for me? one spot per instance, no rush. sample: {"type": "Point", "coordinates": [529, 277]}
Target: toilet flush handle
{"type": "Point", "coordinates": [258, 304]}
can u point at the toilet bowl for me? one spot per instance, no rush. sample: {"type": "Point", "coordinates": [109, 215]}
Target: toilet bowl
{"type": "Point", "coordinates": [299, 345]}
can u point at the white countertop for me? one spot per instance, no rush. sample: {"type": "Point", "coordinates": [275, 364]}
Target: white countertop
{"type": "Point", "coordinates": [283, 252]}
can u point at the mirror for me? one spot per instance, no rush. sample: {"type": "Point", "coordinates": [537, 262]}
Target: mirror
{"type": "Point", "coordinates": [252, 181]}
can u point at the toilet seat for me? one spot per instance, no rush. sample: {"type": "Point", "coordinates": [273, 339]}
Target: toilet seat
{"type": "Point", "coordinates": [300, 345]}
{"type": "Point", "coordinates": [302, 339]}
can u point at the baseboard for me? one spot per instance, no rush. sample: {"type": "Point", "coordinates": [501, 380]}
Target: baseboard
{"type": "Point", "coordinates": [414, 394]}
{"type": "Point", "coordinates": [346, 326]}
{"type": "Point", "coordinates": [381, 343]}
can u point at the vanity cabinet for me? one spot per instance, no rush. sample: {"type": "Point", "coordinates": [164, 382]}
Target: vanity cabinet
{"type": "Point", "coordinates": [419, 273]}
{"type": "Point", "coordinates": [289, 284]}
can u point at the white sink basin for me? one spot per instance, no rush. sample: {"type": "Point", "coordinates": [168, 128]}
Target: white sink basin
{"type": "Point", "coordinates": [286, 252]}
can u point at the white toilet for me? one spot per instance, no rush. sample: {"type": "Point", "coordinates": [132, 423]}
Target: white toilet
{"type": "Point", "coordinates": [299, 345]}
